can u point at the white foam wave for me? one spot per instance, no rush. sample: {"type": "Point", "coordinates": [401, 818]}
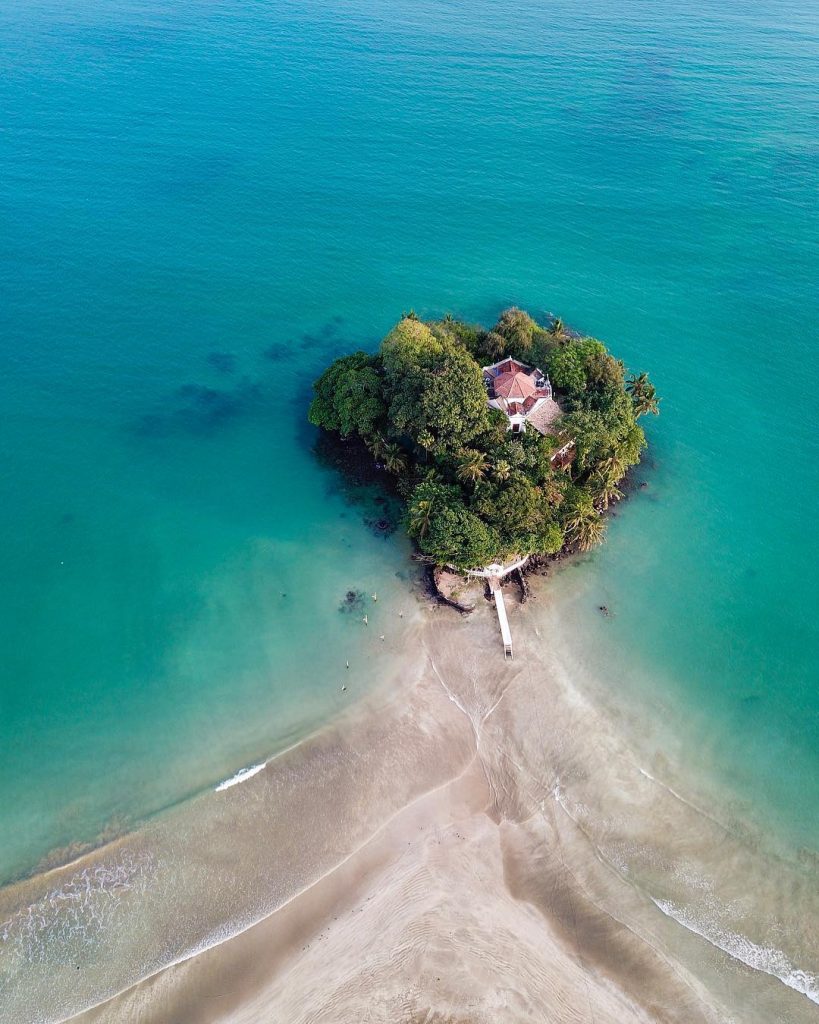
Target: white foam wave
{"type": "Point", "coordinates": [83, 908]}
{"type": "Point", "coordinates": [241, 776]}
{"type": "Point", "coordinates": [768, 959]}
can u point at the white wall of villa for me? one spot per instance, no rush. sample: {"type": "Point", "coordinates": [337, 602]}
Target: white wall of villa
{"type": "Point", "coordinates": [517, 390]}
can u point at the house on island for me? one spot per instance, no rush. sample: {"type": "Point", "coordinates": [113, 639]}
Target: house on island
{"type": "Point", "coordinates": [524, 395]}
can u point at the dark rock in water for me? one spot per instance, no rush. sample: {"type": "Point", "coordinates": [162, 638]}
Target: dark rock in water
{"type": "Point", "coordinates": [350, 459]}
{"type": "Point", "coordinates": [521, 580]}
{"type": "Point", "coordinates": [222, 362]}
{"type": "Point", "coordinates": [381, 527]}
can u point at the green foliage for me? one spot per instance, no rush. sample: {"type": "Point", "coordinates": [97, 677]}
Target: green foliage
{"type": "Point", "coordinates": [643, 394]}
{"type": "Point", "coordinates": [543, 344]}
{"type": "Point", "coordinates": [494, 346]}
{"type": "Point", "coordinates": [474, 491]}
{"type": "Point", "coordinates": [517, 329]}
{"type": "Point", "coordinates": [349, 396]}
{"type": "Point", "coordinates": [520, 513]}
{"type": "Point", "coordinates": [394, 459]}
{"type": "Point", "coordinates": [567, 364]}
{"type": "Point", "coordinates": [603, 435]}
{"type": "Point", "coordinates": [470, 336]}
{"type": "Point", "coordinates": [446, 530]}
{"type": "Point", "coordinates": [434, 387]}
{"type": "Point", "coordinates": [583, 524]}
{"type": "Point", "coordinates": [472, 466]}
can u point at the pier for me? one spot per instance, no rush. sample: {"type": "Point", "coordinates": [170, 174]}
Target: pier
{"type": "Point", "coordinates": [503, 621]}
{"type": "Point", "coordinates": [494, 574]}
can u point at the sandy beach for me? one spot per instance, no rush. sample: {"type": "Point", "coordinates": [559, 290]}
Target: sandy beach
{"type": "Point", "coordinates": [419, 925]}
{"type": "Point", "coordinates": [482, 846]}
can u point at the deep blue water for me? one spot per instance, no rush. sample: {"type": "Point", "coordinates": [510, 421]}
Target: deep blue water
{"type": "Point", "coordinates": [201, 203]}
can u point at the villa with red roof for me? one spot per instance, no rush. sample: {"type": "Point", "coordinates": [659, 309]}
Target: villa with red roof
{"type": "Point", "coordinates": [523, 393]}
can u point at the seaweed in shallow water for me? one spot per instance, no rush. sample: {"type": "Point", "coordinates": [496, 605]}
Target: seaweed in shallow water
{"type": "Point", "coordinates": [198, 410]}
{"type": "Point", "coordinates": [353, 602]}
{"type": "Point", "coordinates": [222, 362]}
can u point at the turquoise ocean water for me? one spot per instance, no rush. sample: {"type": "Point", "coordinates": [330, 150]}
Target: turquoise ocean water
{"type": "Point", "coordinates": [201, 204]}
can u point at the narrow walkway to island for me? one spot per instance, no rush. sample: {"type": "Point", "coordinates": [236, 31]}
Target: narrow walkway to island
{"type": "Point", "coordinates": [500, 606]}
{"type": "Point", "coordinates": [494, 574]}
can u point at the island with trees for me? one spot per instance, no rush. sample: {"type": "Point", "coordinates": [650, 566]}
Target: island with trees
{"type": "Point", "coordinates": [501, 443]}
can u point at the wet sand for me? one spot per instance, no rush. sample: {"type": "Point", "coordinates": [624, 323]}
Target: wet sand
{"type": "Point", "coordinates": [420, 925]}
{"type": "Point", "coordinates": [482, 845]}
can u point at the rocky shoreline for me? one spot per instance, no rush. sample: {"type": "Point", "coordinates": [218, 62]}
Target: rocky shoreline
{"type": "Point", "coordinates": [448, 587]}
{"type": "Point", "coordinates": [444, 586]}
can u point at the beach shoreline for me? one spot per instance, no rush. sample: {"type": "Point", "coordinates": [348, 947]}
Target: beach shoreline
{"type": "Point", "coordinates": [484, 799]}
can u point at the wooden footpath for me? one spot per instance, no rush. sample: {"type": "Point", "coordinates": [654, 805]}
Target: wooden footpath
{"type": "Point", "coordinates": [500, 608]}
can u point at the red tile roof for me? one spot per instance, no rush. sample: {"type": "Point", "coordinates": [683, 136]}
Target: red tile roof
{"type": "Point", "coordinates": [514, 385]}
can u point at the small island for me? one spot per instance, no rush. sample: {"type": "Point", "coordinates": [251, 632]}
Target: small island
{"type": "Point", "coordinates": [504, 444]}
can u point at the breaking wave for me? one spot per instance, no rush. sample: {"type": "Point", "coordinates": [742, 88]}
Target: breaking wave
{"type": "Point", "coordinates": [241, 776]}
{"type": "Point", "coordinates": [768, 959]}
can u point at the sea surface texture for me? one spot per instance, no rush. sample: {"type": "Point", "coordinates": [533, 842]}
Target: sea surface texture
{"type": "Point", "coordinates": [202, 204]}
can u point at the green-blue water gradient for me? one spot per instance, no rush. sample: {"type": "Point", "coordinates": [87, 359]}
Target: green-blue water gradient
{"type": "Point", "coordinates": [201, 204]}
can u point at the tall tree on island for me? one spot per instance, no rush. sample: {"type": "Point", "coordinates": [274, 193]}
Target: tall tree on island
{"type": "Point", "coordinates": [434, 387]}
{"type": "Point", "coordinates": [643, 394]}
{"type": "Point", "coordinates": [584, 525]}
{"type": "Point", "coordinates": [472, 466]}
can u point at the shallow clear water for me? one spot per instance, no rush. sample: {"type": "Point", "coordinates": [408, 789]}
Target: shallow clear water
{"type": "Point", "coordinates": [202, 204]}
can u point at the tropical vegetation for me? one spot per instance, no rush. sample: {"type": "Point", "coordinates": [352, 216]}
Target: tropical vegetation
{"type": "Point", "coordinates": [475, 492]}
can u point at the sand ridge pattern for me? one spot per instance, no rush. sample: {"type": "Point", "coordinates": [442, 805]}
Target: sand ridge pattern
{"type": "Point", "coordinates": [481, 846]}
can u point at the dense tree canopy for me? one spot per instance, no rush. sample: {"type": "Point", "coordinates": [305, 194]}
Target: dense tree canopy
{"type": "Point", "coordinates": [475, 492]}
{"type": "Point", "coordinates": [349, 396]}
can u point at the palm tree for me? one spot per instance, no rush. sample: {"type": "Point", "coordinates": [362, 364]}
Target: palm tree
{"type": "Point", "coordinates": [590, 533]}
{"type": "Point", "coordinates": [636, 384]}
{"type": "Point", "coordinates": [426, 440]}
{"type": "Point", "coordinates": [585, 527]}
{"type": "Point", "coordinates": [558, 329]}
{"type": "Point", "coordinates": [606, 491]}
{"type": "Point", "coordinates": [643, 394]}
{"type": "Point", "coordinates": [419, 517]}
{"type": "Point", "coordinates": [501, 470]}
{"type": "Point", "coordinates": [611, 468]}
{"type": "Point", "coordinates": [647, 402]}
{"type": "Point", "coordinates": [378, 447]}
{"type": "Point", "coordinates": [394, 459]}
{"type": "Point", "coordinates": [472, 466]}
